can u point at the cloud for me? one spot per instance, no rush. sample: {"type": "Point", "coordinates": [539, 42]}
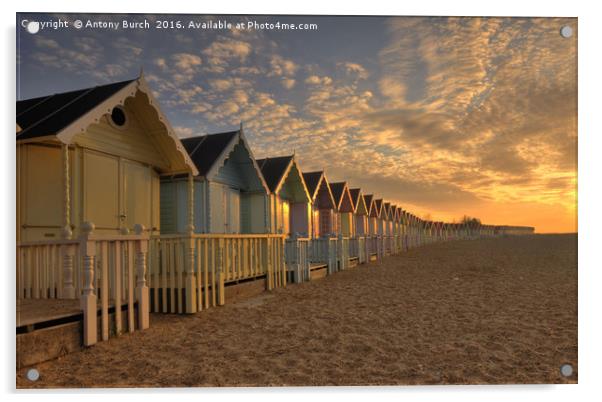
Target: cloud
{"type": "Point", "coordinates": [354, 69]}
{"type": "Point", "coordinates": [223, 50]}
{"type": "Point", "coordinates": [288, 83]}
{"type": "Point", "coordinates": [316, 80]}
{"type": "Point", "coordinates": [186, 63]}
{"type": "Point", "coordinates": [282, 67]}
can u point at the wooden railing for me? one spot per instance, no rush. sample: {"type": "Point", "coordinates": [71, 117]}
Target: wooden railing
{"type": "Point", "coordinates": [323, 250]}
{"type": "Point", "coordinates": [188, 273]}
{"type": "Point", "coordinates": [358, 249]}
{"type": "Point", "coordinates": [297, 259]}
{"type": "Point", "coordinates": [106, 273]}
{"type": "Point", "coordinates": [343, 253]}
{"type": "Point", "coordinates": [48, 269]}
{"type": "Point", "coordinates": [114, 275]}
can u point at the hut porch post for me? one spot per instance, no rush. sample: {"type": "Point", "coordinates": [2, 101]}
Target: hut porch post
{"type": "Point", "coordinates": [67, 250]}
{"type": "Point", "coordinates": [191, 303]}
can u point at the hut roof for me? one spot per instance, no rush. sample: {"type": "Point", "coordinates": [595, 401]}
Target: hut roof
{"type": "Point", "coordinates": [369, 200]}
{"type": "Point", "coordinates": [65, 115]}
{"type": "Point", "coordinates": [274, 170]}
{"type": "Point", "coordinates": [312, 181]}
{"type": "Point", "coordinates": [48, 115]}
{"type": "Point", "coordinates": [340, 192]}
{"type": "Point", "coordinates": [378, 205]}
{"type": "Point", "coordinates": [205, 150]}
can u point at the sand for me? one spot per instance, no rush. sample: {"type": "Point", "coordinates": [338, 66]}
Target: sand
{"type": "Point", "coordinates": [491, 311]}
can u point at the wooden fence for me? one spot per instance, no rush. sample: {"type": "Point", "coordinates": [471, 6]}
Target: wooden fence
{"type": "Point", "coordinates": [107, 274]}
{"type": "Point", "coordinates": [297, 259]}
{"type": "Point", "coordinates": [188, 273]}
{"type": "Point", "coordinates": [323, 250]}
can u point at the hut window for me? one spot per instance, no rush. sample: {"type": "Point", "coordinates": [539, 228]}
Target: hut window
{"type": "Point", "coordinates": [118, 117]}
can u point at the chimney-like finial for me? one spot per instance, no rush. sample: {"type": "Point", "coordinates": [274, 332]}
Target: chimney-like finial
{"type": "Point", "coordinates": [141, 72]}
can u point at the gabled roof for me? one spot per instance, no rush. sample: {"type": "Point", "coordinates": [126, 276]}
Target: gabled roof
{"type": "Point", "coordinates": [369, 200]}
{"type": "Point", "coordinates": [314, 181]}
{"type": "Point", "coordinates": [274, 170]}
{"type": "Point", "coordinates": [206, 149]}
{"type": "Point", "coordinates": [359, 201]}
{"type": "Point", "coordinates": [342, 197]}
{"type": "Point", "coordinates": [378, 207]}
{"type": "Point", "coordinates": [387, 210]}
{"type": "Point", "coordinates": [210, 152]}
{"type": "Point", "coordinates": [50, 114]}
{"type": "Point", "coordinates": [64, 115]}
{"type": "Point", "coordinates": [277, 170]}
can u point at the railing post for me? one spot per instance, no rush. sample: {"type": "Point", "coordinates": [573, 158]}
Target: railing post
{"type": "Point", "coordinates": [268, 260]}
{"type": "Point", "coordinates": [190, 281]}
{"type": "Point", "coordinates": [142, 293]}
{"type": "Point", "coordinates": [67, 256]}
{"type": "Point", "coordinates": [88, 298]}
{"type": "Point", "coordinates": [220, 273]}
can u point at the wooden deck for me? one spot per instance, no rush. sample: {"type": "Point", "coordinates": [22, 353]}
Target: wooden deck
{"type": "Point", "coordinates": [32, 312]}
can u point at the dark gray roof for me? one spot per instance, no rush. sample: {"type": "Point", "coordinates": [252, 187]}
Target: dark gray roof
{"type": "Point", "coordinates": [338, 190]}
{"type": "Point", "coordinates": [205, 149]}
{"type": "Point", "coordinates": [355, 196]}
{"type": "Point", "coordinates": [312, 179]}
{"type": "Point", "coordinates": [48, 115]}
{"type": "Point", "coordinates": [273, 169]}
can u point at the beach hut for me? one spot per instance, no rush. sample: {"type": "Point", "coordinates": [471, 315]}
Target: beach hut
{"type": "Point", "coordinates": [230, 194]}
{"type": "Point", "coordinates": [360, 211]}
{"type": "Point", "coordinates": [289, 205]}
{"type": "Point", "coordinates": [380, 214]}
{"type": "Point", "coordinates": [369, 200]}
{"type": "Point", "coordinates": [95, 155]}
{"type": "Point", "coordinates": [89, 164]}
{"type": "Point", "coordinates": [344, 204]}
{"type": "Point", "coordinates": [323, 205]}
{"type": "Point", "coordinates": [289, 199]}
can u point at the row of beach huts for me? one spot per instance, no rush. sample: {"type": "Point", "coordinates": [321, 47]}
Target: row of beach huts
{"type": "Point", "coordinates": [119, 215]}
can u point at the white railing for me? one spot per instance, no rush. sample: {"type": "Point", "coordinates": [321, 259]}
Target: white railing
{"type": "Point", "coordinates": [297, 259]}
{"type": "Point", "coordinates": [357, 249]}
{"type": "Point", "coordinates": [107, 273]}
{"type": "Point", "coordinates": [323, 250]}
{"type": "Point", "coordinates": [188, 273]}
{"type": "Point", "coordinates": [48, 270]}
{"type": "Point", "coordinates": [343, 252]}
{"type": "Point", "coordinates": [114, 275]}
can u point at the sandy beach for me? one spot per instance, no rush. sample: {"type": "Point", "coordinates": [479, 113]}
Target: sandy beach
{"type": "Point", "coordinates": [491, 311]}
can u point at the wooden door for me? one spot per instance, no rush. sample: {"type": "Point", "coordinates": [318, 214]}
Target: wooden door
{"type": "Point", "coordinates": [101, 191]}
{"type": "Point", "coordinates": [40, 203]}
{"type": "Point", "coordinates": [233, 214]}
{"type": "Point", "coordinates": [136, 195]}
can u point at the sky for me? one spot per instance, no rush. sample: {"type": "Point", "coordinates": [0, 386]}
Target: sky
{"type": "Point", "coordinates": [444, 116]}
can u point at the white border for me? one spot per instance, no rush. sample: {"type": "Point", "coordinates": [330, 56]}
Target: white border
{"type": "Point", "coordinates": [590, 166]}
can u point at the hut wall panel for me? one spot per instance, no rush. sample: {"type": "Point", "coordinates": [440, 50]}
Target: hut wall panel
{"type": "Point", "coordinates": [168, 194]}
{"type": "Point", "coordinates": [300, 218]}
{"type": "Point", "coordinates": [253, 213]}
{"type": "Point", "coordinates": [101, 190]}
{"type": "Point", "coordinates": [130, 142]}
{"type": "Point", "coordinates": [40, 187]}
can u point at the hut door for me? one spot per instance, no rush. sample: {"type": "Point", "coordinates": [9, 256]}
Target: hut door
{"type": "Point", "coordinates": [233, 217]}
{"type": "Point", "coordinates": [136, 195]}
{"type": "Point", "coordinates": [101, 191]}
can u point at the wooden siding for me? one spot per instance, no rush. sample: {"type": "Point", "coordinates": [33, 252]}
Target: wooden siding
{"type": "Point", "coordinates": [39, 192]}
{"type": "Point", "coordinates": [131, 142]}
{"type": "Point", "coordinates": [301, 218]}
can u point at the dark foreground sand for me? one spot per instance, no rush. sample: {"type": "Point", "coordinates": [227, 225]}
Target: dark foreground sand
{"type": "Point", "coordinates": [490, 311]}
